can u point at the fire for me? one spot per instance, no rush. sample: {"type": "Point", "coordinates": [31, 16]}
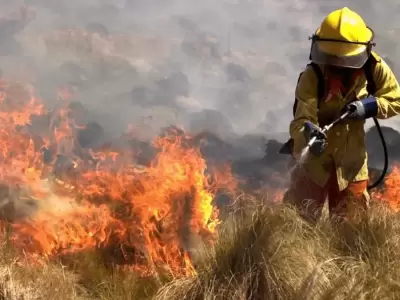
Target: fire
{"type": "Point", "coordinates": [104, 200]}
{"type": "Point", "coordinates": [391, 193]}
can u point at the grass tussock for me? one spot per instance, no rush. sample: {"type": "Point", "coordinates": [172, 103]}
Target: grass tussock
{"type": "Point", "coordinates": [268, 252]}
{"type": "Point", "coordinates": [263, 252]}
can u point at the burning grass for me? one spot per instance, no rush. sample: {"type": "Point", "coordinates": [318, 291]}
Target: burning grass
{"type": "Point", "coordinates": [144, 217]}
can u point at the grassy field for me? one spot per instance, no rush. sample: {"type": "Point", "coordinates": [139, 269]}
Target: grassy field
{"type": "Point", "coordinates": [263, 252]}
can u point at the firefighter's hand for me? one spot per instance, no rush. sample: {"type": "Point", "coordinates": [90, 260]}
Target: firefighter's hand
{"type": "Point", "coordinates": [310, 131]}
{"type": "Point", "coordinates": [363, 109]}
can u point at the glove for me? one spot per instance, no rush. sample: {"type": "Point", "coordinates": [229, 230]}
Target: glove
{"type": "Point", "coordinates": [363, 109]}
{"type": "Point", "coordinates": [311, 130]}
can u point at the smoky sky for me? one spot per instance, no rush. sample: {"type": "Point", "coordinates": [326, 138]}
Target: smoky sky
{"type": "Point", "coordinates": [226, 66]}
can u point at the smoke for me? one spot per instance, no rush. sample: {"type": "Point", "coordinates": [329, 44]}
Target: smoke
{"type": "Point", "coordinates": [229, 67]}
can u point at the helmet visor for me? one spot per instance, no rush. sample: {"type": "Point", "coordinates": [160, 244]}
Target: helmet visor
{"type": "Point", "coordinates": [322, 52]}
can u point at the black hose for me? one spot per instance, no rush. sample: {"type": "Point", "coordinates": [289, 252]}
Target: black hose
{"type": "Point", "coordinates": [386, 157]}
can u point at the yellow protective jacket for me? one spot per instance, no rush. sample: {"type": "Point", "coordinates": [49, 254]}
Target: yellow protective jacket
{"type": "Point", "coordinates": [345, 152]}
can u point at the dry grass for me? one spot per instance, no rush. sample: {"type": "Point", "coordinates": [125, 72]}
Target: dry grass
{"type": "Point", "coordinates": [269, 253]}
{"type": "Point", "coordinates": [264, 252]}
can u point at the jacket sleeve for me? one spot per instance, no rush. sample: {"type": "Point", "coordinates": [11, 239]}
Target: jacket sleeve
{"type": "Point", "coordinates": [387, 91]}
{"type": "Point", "coordinates": [307, 108]}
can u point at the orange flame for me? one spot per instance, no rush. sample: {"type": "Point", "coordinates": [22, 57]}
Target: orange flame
{"type": "Point", "coordinates": [391, 192]}
{"type": "Point", "coordinates": [150, 211]}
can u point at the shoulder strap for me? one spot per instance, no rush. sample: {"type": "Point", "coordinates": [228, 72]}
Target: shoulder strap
{"type": "Point", "coordinates": [369, 68]}
{"type": "Point", "coordinates": [320, 85]}
{"type": "Point", "coordinates": [295, 100]}
{"type": "Point", "coordinates": [320, 82]}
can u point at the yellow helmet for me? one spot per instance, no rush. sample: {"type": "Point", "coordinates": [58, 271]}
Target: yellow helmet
{"type": "Point", "coordinates": [343, 40]}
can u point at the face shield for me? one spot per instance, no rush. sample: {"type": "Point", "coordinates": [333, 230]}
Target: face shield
{"type": "Point", "coordinates": [339, 53]}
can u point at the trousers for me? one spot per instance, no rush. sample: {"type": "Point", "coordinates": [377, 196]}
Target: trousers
{"type": "Point", "coordinates": [309, 198]}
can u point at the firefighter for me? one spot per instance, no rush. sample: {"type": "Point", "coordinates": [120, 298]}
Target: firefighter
{"type": "Point", "coordinates": [336, 167]}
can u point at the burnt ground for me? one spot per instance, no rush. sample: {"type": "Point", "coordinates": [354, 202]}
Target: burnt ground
{"type": "Point", "coordinates": [255, 158]}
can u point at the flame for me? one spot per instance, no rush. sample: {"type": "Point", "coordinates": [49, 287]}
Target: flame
{"type": "Point", "coordinates": [104, 200]}
{"type": "Point", "coordinates": [391, 192]}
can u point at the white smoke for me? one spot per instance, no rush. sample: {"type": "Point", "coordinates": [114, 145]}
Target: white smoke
{"type": "Point", "coordinates": [239, 58]}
